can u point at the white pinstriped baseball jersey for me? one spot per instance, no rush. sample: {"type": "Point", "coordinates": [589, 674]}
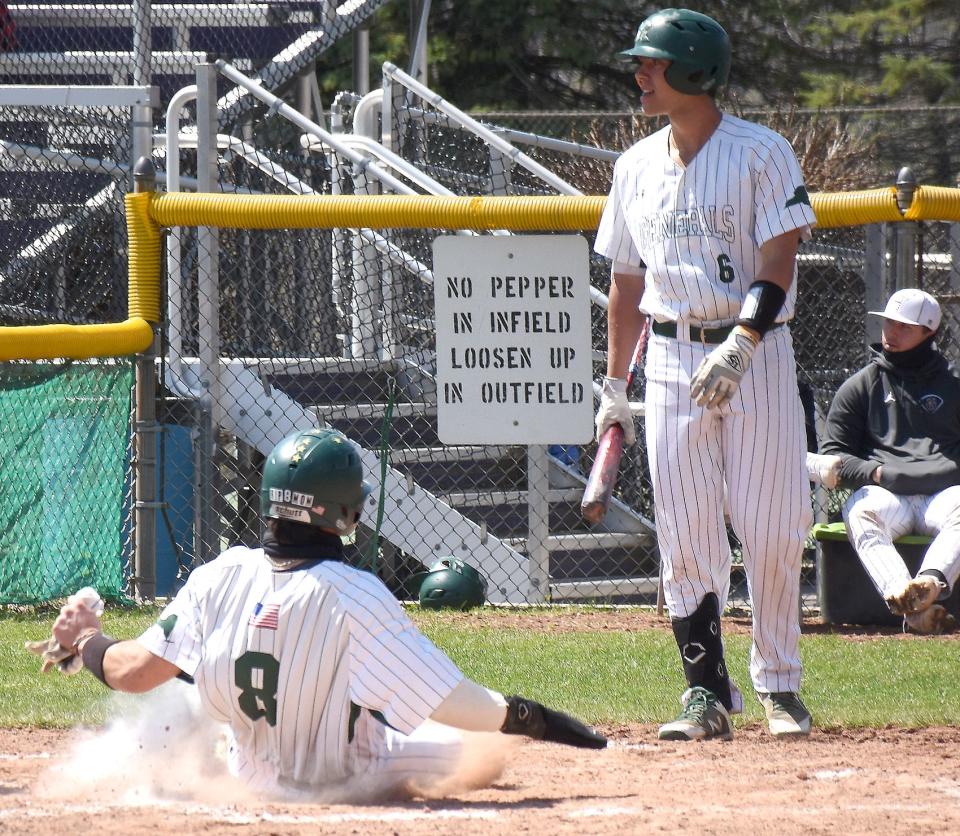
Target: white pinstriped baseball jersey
{"type": "Point", "coordinates": [286, 657]}
{"type": "Point", "coordinates": [698, 229]}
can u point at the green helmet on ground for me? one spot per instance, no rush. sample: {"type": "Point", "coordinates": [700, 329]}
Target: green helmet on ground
{"type": "Point", "coordinates": [696, 46]}
{"type": "Point", "coordinates": [314, 477]}
{"type": "Point", "coordinates": [452, 584]}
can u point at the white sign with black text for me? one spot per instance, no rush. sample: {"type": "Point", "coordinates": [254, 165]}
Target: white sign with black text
{"type": "Point", "coordinates": [513, 339]}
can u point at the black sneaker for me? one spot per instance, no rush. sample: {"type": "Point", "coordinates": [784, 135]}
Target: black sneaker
{"type": "Point", "coordinates": [787, 716]}
{"type": "Point", "coordinates": [703, 717]}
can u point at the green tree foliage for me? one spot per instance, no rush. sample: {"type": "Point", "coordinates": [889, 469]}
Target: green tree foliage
{"type": "Point", "coordinates": [555, 55]}
{"type": "Point", "coordinates": [895, 52]}
{"type": "Point", "coordinates": [527, 54]}
{"type": "Point", "coordinates": [558, 54]}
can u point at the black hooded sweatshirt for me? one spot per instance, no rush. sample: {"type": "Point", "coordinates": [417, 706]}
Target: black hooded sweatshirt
{"type": "Point", "coordinates": [901, 411]}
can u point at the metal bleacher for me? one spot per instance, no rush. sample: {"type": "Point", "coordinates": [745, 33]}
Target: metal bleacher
{"type": "Point", "coordinates": [88, 42]}
{"type": "Point", "coordinates": [63, 168]}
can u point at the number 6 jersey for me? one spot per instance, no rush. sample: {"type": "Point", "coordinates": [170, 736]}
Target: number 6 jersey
{"type": "Point", "coordinates": [698, 230]}
{"type": "Point", "coordinates": [290, 659]}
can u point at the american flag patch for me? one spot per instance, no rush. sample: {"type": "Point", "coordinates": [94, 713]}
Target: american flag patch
{"type": "Point", "coordinates": [265, 616]}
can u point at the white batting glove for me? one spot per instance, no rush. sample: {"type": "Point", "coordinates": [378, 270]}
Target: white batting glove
{"type": "Point", "coordinates": [615, 409]}
{"type": "Point", "coordinates": [52, 652]}
{"type": "Point", "coordinates": [823, 470]}
{"type": "Point", "coordinates": [91, 598]}
{"type": "Point", "coordinates": [720, 372]}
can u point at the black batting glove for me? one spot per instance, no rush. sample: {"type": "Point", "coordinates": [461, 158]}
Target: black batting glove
{"type": "Point", "coordinates": [541, 723]}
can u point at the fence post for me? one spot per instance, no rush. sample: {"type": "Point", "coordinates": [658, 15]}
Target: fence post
{"type": "Point", "coordinates": [879, 243]}
{"type": "Point", "coordinates": [208, 318]}
{"type": "Point", "coordinates": [142, 77]}
{"type": "Point", "coordinates": [145, 442]}
{"type": "Point", "coordinates": [905, 272]}
{"type": "Point", "coordinates": [538, 522]}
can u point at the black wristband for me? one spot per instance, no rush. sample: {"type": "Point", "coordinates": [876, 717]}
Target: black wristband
{"type": "Point", "coordinates": [524, 717]}
{"type": "Point", "coordinates": [760, 308]}
{"type": "Point", "coordinates": [93, 652]}
{"type": "Point", "coordinates": [541, 723]}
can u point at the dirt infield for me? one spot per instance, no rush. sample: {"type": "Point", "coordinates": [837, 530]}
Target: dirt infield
{"type": "Point", "coordinates": [862, 782]}
{"type": "Point", "coordinates": [149, 776]}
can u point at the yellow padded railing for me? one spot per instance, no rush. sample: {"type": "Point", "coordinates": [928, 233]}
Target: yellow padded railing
{"type": "Point", "coordinates": [934, 203]}
{"type": "Point", "coordinates": [836, 209]}
{"type": "Point", "coordinates": [149, 212]}
{"type": "Point", "coordinates": [520, 214]}
{"type": "Point", "coordinates": [563, 213]}
{"type": "Point", "coordinates": [112, 339]}
{"type": "Point", "coordinates": [76, 342]}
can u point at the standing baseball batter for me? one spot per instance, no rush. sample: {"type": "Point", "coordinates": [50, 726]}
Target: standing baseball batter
{"type": "Point", "coordinates": [313, 665]}
{"type": "Point", "coordinates": [702, 225]}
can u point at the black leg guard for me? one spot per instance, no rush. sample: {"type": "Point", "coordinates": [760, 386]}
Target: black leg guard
{"type": "Point", "coordinates": [701, 650]}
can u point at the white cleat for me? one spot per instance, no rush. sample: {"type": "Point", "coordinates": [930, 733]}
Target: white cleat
{"type": "Point", "coordinates": [787, 716]}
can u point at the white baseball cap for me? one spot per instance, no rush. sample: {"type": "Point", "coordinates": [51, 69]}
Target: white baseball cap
{"type": "Point", "coordinates": [913, 307]}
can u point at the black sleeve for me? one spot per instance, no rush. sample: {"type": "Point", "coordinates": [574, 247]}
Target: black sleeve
{"type": "Point", "coordinates": [809, 414]}
{"type": "Point", "coordinates": [920, 477]}
{"type": "Point", "coordinates": [846, 433]}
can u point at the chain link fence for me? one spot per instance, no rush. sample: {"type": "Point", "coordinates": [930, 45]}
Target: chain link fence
{"type": "Point", "coordinates": [65, 492]}
{"type": "Point", "coordinates": [268, 331]}
{"type": "Point", "coordinates": [925, 138]}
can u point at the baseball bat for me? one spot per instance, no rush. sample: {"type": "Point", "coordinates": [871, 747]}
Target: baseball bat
{"type": "Point", "coordinates": [606, 464]}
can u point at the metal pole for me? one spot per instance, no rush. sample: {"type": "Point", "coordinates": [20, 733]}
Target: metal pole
{"type": "Point", "coordinates": [305, 92]}
{"type": "Point", "coordinates": [208, 310]}
{"type": "Point", "coordinates": [538, 522]}
{"type": "Point", "coordinates": [361, 60]}
{"type": "Point", "coordinates": [145, 443]}
{"type": "Point", "coordinates": [419, 13]}
{"type": "Point", "coordinates": [875, 279]}
{"type": "Point", "coordinates": [905, 272]}
{"type": "Point", "coordinates": [142, 61]}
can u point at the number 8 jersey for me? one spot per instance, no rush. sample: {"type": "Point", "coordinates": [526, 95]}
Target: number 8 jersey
{"type": "Point", "coordinates": [304, 665]}
{"type": "Point", "coordinates": [698, 230]}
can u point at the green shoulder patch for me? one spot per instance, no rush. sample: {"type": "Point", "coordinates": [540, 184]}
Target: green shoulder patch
{"type": "Point", "coordinates": [799, 196]}
{"type": "Point", "coordinates": [167, 624]}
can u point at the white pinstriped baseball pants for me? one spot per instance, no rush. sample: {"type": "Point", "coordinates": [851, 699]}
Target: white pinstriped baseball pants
{"type": "Point", "coordinates": [875, 517]}
{"type": "Point", "coordinates": [753, 451]}
{"type": "Point", "coordinates": [381, 761]}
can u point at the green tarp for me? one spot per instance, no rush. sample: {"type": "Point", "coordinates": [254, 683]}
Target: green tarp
{"type": "Point", "coordinates": [64, 433]}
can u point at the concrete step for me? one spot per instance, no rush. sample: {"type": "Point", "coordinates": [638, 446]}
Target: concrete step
{"type": "Point", "coordinates": [449, 453]}
{"type": "Point", "coordinates": [93, 62]}
{"type": "Point", "coordinates": [625, 589]}
{"type": "Point", "coordinates": [586, 541]}
{"type": "Point", "coordinates": [93, 15]}
{"type": "Point", "coordinates": [418, 431]}
{"type": "Point", "coordinates": [483, 476]}
{"type": "Point", "coordinates": [474, 499]}
{"type": "Point", "coordinates": [511, 521]}
{"type": "Point", "coordinates": [373, 411]}
{"type": "Point", "coordinates": [337, 387]}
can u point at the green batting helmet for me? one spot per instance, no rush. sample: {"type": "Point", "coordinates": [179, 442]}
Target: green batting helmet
{"type": "Point", "coordinates": [696, 46]}
{"type": "Point", "coordinates": [452, 584]}
{"type": "Point", "coordinates": [314, 477]}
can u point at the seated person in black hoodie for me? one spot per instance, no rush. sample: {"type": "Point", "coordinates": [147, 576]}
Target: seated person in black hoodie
{"type": "Point", "coordinates": [895, 425]}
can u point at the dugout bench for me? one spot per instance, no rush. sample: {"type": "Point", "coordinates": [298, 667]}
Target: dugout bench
{"type": "Point", "coordinates": [844, 589]}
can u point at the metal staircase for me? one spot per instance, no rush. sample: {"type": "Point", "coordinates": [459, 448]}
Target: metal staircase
{"type": "Point", "coordinates": [64, 169]}
{"type": "Point", "coordinates": [491, 486]}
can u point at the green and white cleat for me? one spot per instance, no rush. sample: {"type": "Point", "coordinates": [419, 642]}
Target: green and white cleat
{"type": "Point", "coordinates": [703, 718]}
{"type": "Point", "coordinates": [787, 716]}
